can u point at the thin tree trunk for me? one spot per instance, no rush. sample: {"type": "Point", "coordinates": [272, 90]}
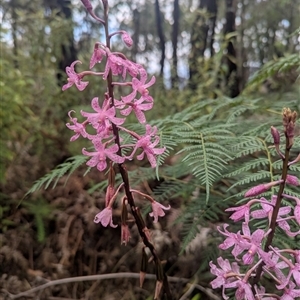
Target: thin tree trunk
{"type": "Point", "coordinates": [176, 16]}
{"type": "Point", "coordinates": [203, 31]}
{"type": "Point", "coordinates": [232, 78]}
{"type": "Point", "coordinates": [242, 69]}
{"type": "Point", "coordinates": [14, 33]}
{"type": "Point", "coordinates": [161, 36]}
{"type": "Point", "coordinates": [213, 9]}
{"type": "Point", "coordinates": [69, 53]}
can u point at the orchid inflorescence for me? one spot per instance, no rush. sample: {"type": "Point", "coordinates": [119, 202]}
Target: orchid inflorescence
{"type": "Point", "coordinates": [253, 249]}
{"type": "Point", "coordinates": [107, 126]}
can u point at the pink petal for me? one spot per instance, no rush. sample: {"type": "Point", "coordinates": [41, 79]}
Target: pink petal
{"type": "Point", "coordinates": [297, 213]}
{"type": "Point", "coordinates": [259, 214]}
{"type": "Point", "coordinates": [284, 210]}
{"type": "Point", "coordinates": [93, 162]}
{"type": "Point", "coordinates": [140, 116]}
{"type": "Point", "coordinates": [101, 166]}
{"type": "Point", "coordinates": [116, 158]}
{"type": "Point", "coordinates": [81, 85]}
{"type": "Point", "coordinates": [67, 85]}
{"type": "Point", "coordinates": [95, 105]}
{"type": "Point", "coordinates": [88, 153]}
{"type": "Point", "coordinates": [151, 82]}
{"type": "Point", "coordinates": [126, 111]}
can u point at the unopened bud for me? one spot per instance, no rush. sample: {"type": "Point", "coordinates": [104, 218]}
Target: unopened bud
{"type": "Point", "coordinates": [125, 234]}
{"type": "Point", "coordinates": [110, 191]}
{"type": "Point", "coordinates": [276, 135]}
{"type": "Point", "coordinates": [112, 175]}
{"type": "Point", "coordinates": [292, 180]}
{"type": "Point", "coordinates": [289, 120]}
{"type": "Point", "coordinates": [124, 213]}
{"type": "Point", "coordinates": [261, 188]}
{"type": "Point", "coordinates": [127, 39]}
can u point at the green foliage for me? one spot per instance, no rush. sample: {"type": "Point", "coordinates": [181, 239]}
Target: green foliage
{"type": "Point", "coordinates": [5, 222]}
{"type": "Point", "coordinates": [218, 155]}
{"type": "Point", "coordinates": [41, 210]}
{"type": "Point", "coordinates": [220, 148]}
{"type": "Point", "coordinates": [15, 115]}
{"type": "Point", "coordinates": [282, 65]}
{"type": "Point", "coordinates": [70, 165]}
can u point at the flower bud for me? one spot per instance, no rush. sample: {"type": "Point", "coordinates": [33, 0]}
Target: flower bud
{"type": "Point", "coordinates": [127, 39]}
{"type": "Point", "coordinates": [289, 120]}
{"type": "Point", "coordinates": [261, 188]}
{"type": "Point", "coordinates": [276, 135]}
{"type": "Point", "coordinates": [292, 180]}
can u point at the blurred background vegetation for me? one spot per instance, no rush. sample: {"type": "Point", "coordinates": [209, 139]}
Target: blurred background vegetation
{"type": "Point", "coordinates": [211, 58]}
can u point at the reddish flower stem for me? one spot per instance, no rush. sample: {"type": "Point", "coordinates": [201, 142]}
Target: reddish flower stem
{"type": "Point", "coordinates": [124, 174]}
{"type": "Point", "coordinates": [285, 167]}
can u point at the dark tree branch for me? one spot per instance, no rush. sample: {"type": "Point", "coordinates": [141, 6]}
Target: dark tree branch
{"type": "Point", "coordinates": [175, 32]}
{"type": "Point", "coordinates": [159, 25]}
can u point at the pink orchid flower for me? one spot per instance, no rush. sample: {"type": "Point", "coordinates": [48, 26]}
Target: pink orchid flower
{"type": "Point", "coordinates": [105, 217]}
{"type": "Point", "coordinates": [158, 210]}
{"type": "Point", "coordinates": [97, 55]}
{"type": "Point", "coordinates": [138, 107]}
{"type": "Point", "coordinates": [148, 147]}
{"type": "Point", "coordinates": [267, 209]}
{"type": "Point", "coordinates": [74, 78]}
{"type": "Point", "coordinates": [233, 239]}
{"type": "Point", "coordinates": [225, 275]}
{"type": "Point", "coordinates": [78, 128]}
{"type": "Point", "coordinates": [140, 86]}
{"type": "Point", "coordinates": [254, 243]}
{"type": "Point", "coordinates": [99, 157]}
{"type": "Point", "coordinates": [103, 116]}
{"type": "Point", "coordinates": [240, 212]}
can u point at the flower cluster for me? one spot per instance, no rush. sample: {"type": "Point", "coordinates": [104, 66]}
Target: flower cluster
{"type": "Point", "coordinates": [282, 265]}
{"type": "Point", "coordinates": [104, 117]}
{"type": "Point", "coordinates": [105, 129]}
{"type": "Point", "coordinates": [103, 126]}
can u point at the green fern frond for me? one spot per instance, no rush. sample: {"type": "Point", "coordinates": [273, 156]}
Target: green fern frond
{"type": "Point", "coordinates": [197, 214]}
{"type": "Point", "coordinates": [70, 165]}
{"type": "Point", "coordinates": [282, 65]}
{"type": "Point", "coordinates": [258, 163]}
{"type": "Point", "coordinates": [253, 177]}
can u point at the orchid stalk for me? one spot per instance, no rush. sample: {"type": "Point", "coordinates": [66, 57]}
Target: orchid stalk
{"type": "Point", "coordinates": [254, 250]}
{"type": "Point", "coordinates": [107, 127]}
